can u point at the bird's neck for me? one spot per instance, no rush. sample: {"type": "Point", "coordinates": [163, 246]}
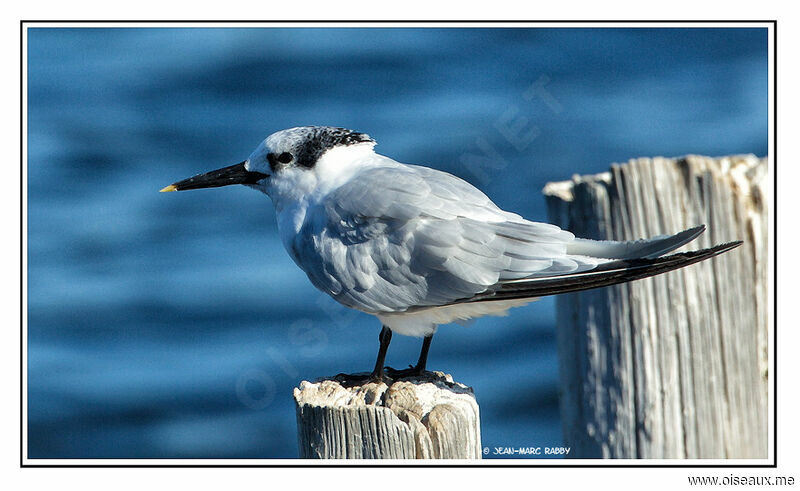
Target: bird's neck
{"type": "Point", "coordinates": [298, 189]}
{"type": "Point", "coordinates": [338, 165]}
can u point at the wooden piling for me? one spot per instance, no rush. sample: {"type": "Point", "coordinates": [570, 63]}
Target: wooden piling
{"type": "Point", "coordinates": [673, 366]}
{"type": "Point", "coordinates": [426, 417]}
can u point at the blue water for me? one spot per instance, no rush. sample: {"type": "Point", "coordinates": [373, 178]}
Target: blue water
{"type": "Point", "coordinates": [175, 325]}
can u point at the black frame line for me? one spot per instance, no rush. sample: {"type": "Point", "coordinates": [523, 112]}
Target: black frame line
{"type": "Point", "coordinates": [612, 464]}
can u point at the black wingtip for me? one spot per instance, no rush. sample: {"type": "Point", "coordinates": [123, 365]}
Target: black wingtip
{"type": "Point", "coordinates": [719, 249]}
{"type": "Point", "coordinates": [607, 274]}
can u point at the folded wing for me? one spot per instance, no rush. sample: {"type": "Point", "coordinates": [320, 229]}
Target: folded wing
{"type": "Point", "coordinates": [399, 238]}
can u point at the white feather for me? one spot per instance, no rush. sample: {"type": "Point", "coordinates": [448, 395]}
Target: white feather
{"type": "Point", "coordinates": [405, 242]}
{"type": "Point", "coordinates": [423, 322]}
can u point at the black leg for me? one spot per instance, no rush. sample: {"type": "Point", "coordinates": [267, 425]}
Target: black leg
{"type": "Point", "coordinates": [423, 355]}
{"type": "Point", "coordinates": [385, 337]}
{"type": "Point", "coordinates": [379, 372]}
{"type": "Point", "coordinates": [417, 369]}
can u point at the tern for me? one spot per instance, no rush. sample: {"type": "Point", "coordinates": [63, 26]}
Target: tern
{"type": "Point", "coordinates": [417, 247]}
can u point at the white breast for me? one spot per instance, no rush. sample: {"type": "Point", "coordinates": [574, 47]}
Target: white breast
{"type": "Point", "coordinates": [423, 322]}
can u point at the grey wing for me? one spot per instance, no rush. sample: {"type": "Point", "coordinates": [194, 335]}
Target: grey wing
{"type": "Point", "coordinates": [401, 237]}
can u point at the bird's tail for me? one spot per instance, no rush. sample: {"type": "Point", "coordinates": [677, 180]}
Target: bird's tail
{"type": "Point", "coordinates": [606, 274]}
{"type": "Point", "coordinates": [643, 248]}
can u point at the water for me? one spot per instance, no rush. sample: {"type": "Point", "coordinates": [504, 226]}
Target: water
{"type": "Point", "coordinates": [175, 325]}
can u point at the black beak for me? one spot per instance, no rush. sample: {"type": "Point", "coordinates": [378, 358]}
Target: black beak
{"type": "Point", "coordinates": [235, 174]}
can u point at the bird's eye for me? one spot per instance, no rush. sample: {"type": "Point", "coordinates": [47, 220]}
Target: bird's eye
{"type": "Point", "coordinates": [285, 158]}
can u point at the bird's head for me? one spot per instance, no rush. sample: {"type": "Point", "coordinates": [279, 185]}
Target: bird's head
{"type": "Point", "coordinates": [295, 161]}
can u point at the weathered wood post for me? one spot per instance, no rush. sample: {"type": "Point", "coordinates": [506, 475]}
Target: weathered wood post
{"type": "Point", "coordinates": [673, 366]}
{"type": "Point", "coordinates": [415, 418]}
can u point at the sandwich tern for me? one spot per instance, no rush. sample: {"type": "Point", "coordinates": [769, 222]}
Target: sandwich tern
{"type": "Point", "coordinates": [417, 247]}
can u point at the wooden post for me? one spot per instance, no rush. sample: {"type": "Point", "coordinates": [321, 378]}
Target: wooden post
{"type": "Point", "coordinates": [673, 366]}
{"type": "Point", "coordinates": [416, 418]}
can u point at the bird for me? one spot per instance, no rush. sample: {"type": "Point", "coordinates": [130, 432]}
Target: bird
{"type": "Point", "coordinates": [417, 247]}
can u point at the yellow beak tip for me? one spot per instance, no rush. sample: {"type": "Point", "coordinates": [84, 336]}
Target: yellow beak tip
{"type": "Point", "coordinates": [169, 189]}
